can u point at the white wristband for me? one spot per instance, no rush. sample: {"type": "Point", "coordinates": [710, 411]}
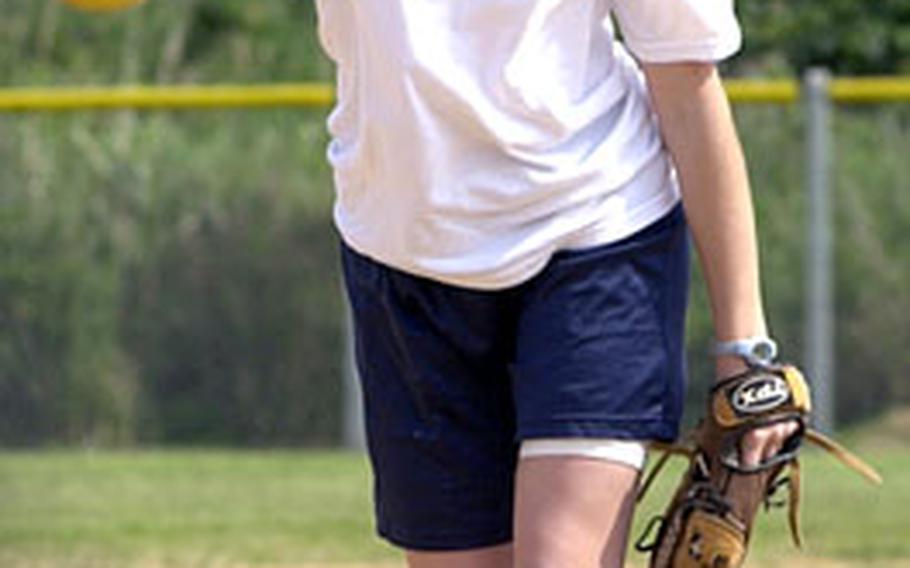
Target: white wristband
{"type": "Point", "coordinates": [759, 350]}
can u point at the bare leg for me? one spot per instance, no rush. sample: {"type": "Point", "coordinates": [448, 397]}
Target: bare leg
{"type": "Point", "coordinates": [572, 511]}
{"type": "Point", "coordinates": [492, 557]}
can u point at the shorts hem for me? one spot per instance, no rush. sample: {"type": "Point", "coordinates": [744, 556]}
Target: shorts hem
{"type": "Point", "coordinates": [444, 542]}
{"type": "Point", "coordinates": [643, 430]}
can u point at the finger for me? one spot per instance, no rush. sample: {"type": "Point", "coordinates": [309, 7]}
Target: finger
{"type": "Point", "coordinates": [772, 447]}
{"type": "Point", "coordinates": [792, 427]}
{"type": "Point", "coordinates": [777, 436]}
{"type": "Point", "coordinates": [752, 448]}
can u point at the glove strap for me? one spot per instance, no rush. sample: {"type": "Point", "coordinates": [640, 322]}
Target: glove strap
{"type": "Point", "coordinates": [795, 487]}
{"type": "Point", "coordinates": [845, 456]}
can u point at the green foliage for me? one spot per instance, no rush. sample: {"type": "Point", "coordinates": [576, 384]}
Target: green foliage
{"type": "Point", "coordinates": [58, 361]}
{"type": "Point", "coordinates": [233, 303]}
{"type": "Point", "coordinates": [166, 277]}
{"type": "Point", "coordinates": [168, 291]}
{"type": "Point", "coordinates": [872, 176]}
{"type": "Point", "coordinates": [162, 41]}
{"type": "Point", "coordinates": [849, 37]}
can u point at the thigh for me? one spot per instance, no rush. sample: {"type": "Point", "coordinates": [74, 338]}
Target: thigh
{"type": "Point", "coordinates": [599, 350]}
{"type": "Point", "coordinates": [433, 362]}
{"type": "Point", "coordinates": [572, 511]}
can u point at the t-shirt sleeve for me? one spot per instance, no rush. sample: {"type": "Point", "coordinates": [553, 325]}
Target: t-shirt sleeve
{"type": "Point", "coordinates": [671, 31]}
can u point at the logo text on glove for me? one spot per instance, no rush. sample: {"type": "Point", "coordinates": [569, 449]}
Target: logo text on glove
{"type": "Point", "coordinates": [760, 394]}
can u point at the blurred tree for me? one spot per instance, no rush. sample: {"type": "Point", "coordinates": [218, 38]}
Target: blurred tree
{"type": "Point", "coordinates": [849, 37]}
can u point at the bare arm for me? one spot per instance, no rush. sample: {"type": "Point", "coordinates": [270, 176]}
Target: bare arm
{"type": "Point", "coordinates": [698, 129]}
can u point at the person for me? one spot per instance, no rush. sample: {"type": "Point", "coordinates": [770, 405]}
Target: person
{"type": "Point", "coordinates": [508, 179]}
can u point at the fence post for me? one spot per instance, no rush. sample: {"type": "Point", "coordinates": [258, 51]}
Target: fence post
{"type": "Point", "coordinates": [819, 320]}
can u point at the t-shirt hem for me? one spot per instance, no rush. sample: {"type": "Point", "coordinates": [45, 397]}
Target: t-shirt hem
{"type": "Point", "coordinates": [677, 52]}
{"type": "Point", "coordinates": [516, 274]}
{"type": "Point", "coordinates": [645, 214]}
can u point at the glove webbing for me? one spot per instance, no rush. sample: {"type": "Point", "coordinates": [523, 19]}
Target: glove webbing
{"type": "Point", "coordinates": [792, 479]}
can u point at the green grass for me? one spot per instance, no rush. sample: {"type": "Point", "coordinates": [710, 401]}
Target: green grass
{"type": "Point", "coordinates": [233, 508]}
{"type": "Point", "coordinates": [184, 508]}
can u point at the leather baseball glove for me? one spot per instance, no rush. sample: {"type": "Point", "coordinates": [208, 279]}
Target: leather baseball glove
{"type": "Point", "coordinates": [709, 521]}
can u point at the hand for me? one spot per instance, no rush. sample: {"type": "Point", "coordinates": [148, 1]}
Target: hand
{"type": "Point", "coordinates": [762, 443]}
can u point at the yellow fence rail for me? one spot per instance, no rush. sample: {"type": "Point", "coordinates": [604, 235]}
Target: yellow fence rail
{"type": "Point", "coordinates": [885, 89]}
{"type": "Point", "coordinates": [750, 91]}
{"type": "Point", "coordinates": [743, 91]}
{"type": "Point", "coordinates": [165, 97]}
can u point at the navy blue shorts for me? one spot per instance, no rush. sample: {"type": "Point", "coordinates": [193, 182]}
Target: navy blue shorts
{"type": "Point", "coordinates": [454, 379]}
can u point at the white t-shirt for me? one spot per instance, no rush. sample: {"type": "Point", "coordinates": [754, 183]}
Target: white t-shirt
{"type": "Point", "coordinates": [473, 138]}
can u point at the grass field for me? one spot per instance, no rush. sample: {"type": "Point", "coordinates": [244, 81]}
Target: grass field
{"type": "Point", "coordinates": [232, 509]}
